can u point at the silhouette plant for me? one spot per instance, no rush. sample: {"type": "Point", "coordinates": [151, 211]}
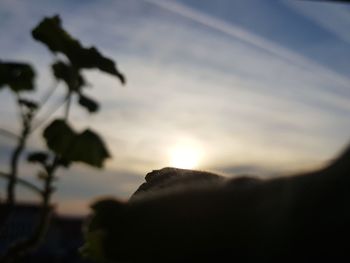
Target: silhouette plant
{"type": "Point", "coordinates": [64, 145]}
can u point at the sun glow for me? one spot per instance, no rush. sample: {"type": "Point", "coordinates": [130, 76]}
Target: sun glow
{"type": "Point", "coordinates": [184, 156]}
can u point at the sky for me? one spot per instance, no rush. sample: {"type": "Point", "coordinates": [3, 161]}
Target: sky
{"type": "Point", "coordinates": [260, 87]}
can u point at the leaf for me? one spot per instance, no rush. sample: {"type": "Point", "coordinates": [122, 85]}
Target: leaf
{"type": "Point", "coordinates": [31, 105]}
{"type": "Point", "coordinates": [50, 32]}
{"type": "Point", "coordinates": [63, 162]}
{"type": "Point", "coordinates": [88, 103]}
{"type": "Point", "coordinates": [69, 74]}
{"type": "Point", "coordinates": [92, 58]}
{"type": "Point", "coordinates": [37, 157]}
{"type": "Point", "coordinates": [17, 76]}
{"type": "Point", "coordinates": [88, 148]}
{"type": "Point", "coordinates": [59, 137]}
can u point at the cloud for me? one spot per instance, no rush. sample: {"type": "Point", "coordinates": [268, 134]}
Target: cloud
{"type": "Point", "coordinates": [81, 184]}
{"type": "Point", "coordinates": [78, 186]}
{"type": "Point", "coordinates": [244, 35]}
{"type": "Point", "coordinates": [335, 18]}
{"type": "Point", "coordinates": [247, 169]}
{"type": "Point", "coordinates": [249, 102]}
{"type": "Point", "coordinates": [254, 91]}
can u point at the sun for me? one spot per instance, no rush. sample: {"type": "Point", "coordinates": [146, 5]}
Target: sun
{"type": "Point", "coordinates": [184, 156]}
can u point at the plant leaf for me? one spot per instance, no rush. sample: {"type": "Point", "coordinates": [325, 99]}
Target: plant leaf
{"type": "Point", "coordinates": [65, 163]}
{"type": "Point", "coordinates": [92, 58]}
{"type": "Point", "coordinates": [17, 76]}
{"type": "Point", "coordinates": [69, 74]}
{"type": "Point", "coordinates": [59, 137]}
{"type": "Point", "coordinates": [37, 157]}
{"type": "Point", "coordinates": [91, 105]}
{"type": "Point", "coordinates": [31, 105]}
{"type": "Point", "coordinates": [50, 32]}
{"type": "Point", "coordinates": [88, 148]}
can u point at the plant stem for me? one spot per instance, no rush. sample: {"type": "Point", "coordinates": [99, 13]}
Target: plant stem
{"type": "Point", "coordinates": [12, 176]}
{"type": "Point", "coordinates": [14, 162]}
{"type": "Point", "coordinates": [69, 100]}
{"type": "Point", "coordinates": [44, 100]}
{"type": "Point", "coordinates": [48, 95]}
{"type": "Point", "coordinates": [49, 115]}
{"type": "Point", "coordinates": [23, 247]}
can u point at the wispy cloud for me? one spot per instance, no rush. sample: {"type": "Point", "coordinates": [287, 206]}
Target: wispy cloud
{"type": "Point", "coordinates": [249, 102]}
{"type": "Point", "coordinates": [253, 39]}
{"type": "Point", "coordinates": [333, 17]}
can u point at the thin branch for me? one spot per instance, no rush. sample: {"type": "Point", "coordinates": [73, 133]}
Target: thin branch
{"type": "Point", "coordinates": [24, 183]}
{"type": "Point", "coordinates": [15, 157]}
{"type": "Point", "coordinates": [23, 247]}
{"type": "Point", "coordinates": [49, 115]}
{"type": "Point", "coordinates": [22, 139]}
{"type": "Point", "coordinates": [47, 96]}
{"type": "Point", "coordinates": [69, 101]}
{"type": "Point", "coordinates": [20, 109]}
{"type": "Point", "coordinates": [14, 162]}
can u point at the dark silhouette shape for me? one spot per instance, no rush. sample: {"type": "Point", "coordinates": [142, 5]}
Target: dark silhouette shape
{"type": "Point", "coordinates": [170, 177]}
{"type": "Point", "coordinates": [61, 241]}
{"type": "Point", "coordinates": [65, 146]}
{"type": "Point", "coordinates": [300, 218]}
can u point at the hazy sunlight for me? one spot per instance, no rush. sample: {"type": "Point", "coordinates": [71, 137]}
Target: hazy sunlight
{"type": "Point", "coordinates": [185, 156]}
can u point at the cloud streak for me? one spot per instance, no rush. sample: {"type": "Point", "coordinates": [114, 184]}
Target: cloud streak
{"type": "Point", "coordinates": [251, 104]}
{"type": "Point", "coordinates": [335, 18]}
{"type": "Point", "coordinates": [244, 35]}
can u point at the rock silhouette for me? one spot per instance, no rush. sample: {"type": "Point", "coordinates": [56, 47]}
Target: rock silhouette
{"type": "Point", "coordinates": [299, 218]}
{"type": "Point", "coordinates": [171, 178]}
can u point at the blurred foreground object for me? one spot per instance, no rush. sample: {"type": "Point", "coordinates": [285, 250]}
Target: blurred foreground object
{"type": "Point", "coordinates": [64, 144]}
{"type": "Point", "coordinates": [301, 218]}
{"type": "Point", "coordinates": [60, 242]}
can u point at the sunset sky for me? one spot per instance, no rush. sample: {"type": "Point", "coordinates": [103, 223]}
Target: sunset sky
{"type": "Point", "coordinates": [254, 86]}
